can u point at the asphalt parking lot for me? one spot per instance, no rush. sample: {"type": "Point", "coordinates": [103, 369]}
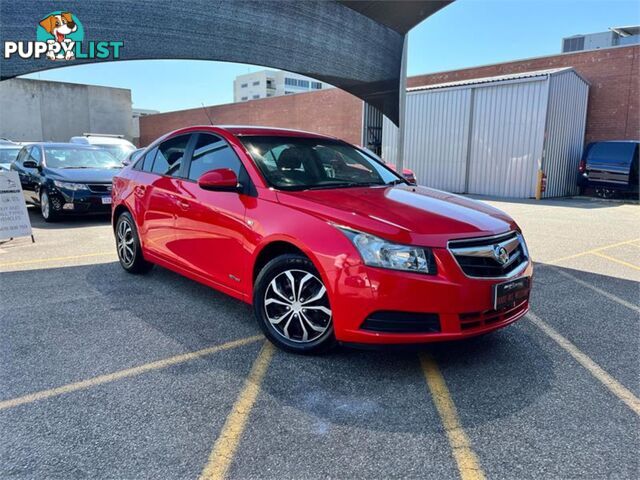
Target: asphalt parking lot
{"type": "Point", "coordinates": [109, 375]}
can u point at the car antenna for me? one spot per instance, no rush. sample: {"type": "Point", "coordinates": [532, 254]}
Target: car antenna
{"type": "Point", "coordinates": [206, 113]}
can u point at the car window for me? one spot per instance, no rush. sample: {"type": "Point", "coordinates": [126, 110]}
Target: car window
{"type": "Point", "coordinates": [211, 153]}
{"type": "Point", "coordinates": [76, 156]}
{"type": "Point", "coordinates": [118, 151]}
{"type": "Point", "coordinates": [168, 159]}
{"type": "Point", "coordinates": [300, 163]}
{"type": "Point", "coordinates": [8, 155]}
{"type": "Point", "coordinates": [144, 162]}
{"type": "Point", "coordinates": [36, 155]}
{"type": "Point", "coordinates": [22, 156]}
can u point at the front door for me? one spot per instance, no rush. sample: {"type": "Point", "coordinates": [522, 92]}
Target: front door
{"type": "Point", "coordinates": [210, 226]}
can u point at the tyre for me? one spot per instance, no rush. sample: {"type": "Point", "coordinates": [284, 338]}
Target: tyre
{"type": "Point", "coordinates": [291, 305]}
{"type": "Point", "coordinates": [128, 245]}
{"type": "Point", "coordinates": [46, 208]}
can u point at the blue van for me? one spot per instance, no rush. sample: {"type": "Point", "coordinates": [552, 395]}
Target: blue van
{"type": "Point", "coordinates": [610, 167]}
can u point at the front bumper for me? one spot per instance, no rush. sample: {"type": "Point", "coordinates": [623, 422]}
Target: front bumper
{"type": "Point", "coordinates": [80, 202]}
{"type": "Point", "coordinates": [446, 306]}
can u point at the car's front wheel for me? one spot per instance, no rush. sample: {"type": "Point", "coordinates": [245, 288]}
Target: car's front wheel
{"type": "Point", "coordinates": [46, 207]}
{"type": "Point", "coordinates": [292, 306]}
{"type": "Point", "coordinates": [128, 245]}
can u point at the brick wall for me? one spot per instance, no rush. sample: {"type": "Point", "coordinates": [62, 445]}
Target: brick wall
{"type": "Point", "coordinates": [331, 112]}
{"type": "Point", "coordinates": [614, 91]}
{"type": "Point", "coordinates": [613, 113]}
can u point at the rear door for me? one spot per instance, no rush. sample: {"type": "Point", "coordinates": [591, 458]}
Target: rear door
{"type": "Point", "coordinates": [157, 197]}
{"type": "Point", "coordinates": [210, 226]}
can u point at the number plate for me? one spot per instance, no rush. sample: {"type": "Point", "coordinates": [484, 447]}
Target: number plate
{"type": "Point", "coordinates": [106, 200]}
{"type": "Point", "coordinates": [510, 293]}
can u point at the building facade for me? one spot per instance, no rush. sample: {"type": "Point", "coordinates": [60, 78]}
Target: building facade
{"type": "Point", "coordinates": [272, 83]}
{"type": "Point", "coordinates": [613, 109]}
{"type": "Point", "coordinates": [37, 110]}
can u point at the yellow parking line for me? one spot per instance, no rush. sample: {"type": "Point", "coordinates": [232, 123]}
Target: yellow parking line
{"type": "Point", "coordinates": [592, 367]}
{"type": "Point", "coordinates": [129, 372]}
{"type": "Point", "coordinates": [617, 260]}
{"type": "Point", "coordinates": [592, 251]}
{"type": "Point", "coordinates": [468, 465]}
{"type": "Point", "coordinates": [225, 446]}
{"type": "Point", "coordinates": [55, 259]}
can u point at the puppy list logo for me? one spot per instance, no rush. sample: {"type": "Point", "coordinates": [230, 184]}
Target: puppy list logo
{"type": "Point", "coordinates": [60, 36]}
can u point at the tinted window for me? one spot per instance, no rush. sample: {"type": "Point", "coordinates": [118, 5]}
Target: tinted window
{"type": "Point", "coordinates": [36, 155]}
{"type": "Point", "coordinates": [300, 163]}
{"type": "Point", "coordinates": [22, 156]}
{"type": "Point", "coordinates": [146, 162]}
{"type": "Point", "coordinates": [211, 153]}
{"type": "Point", "coordinates": [170, 154]}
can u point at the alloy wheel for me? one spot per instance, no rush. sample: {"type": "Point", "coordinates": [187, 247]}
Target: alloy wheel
{"type": "Point", "coordinates": [126, 243]}
{"type": "Point", "coordinates": [297, 306]}
{"type": "Point", "coordinates": [44, 205]}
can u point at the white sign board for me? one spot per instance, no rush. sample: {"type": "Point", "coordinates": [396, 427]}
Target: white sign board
{"type": "Point", "coordinates": [14, 218]}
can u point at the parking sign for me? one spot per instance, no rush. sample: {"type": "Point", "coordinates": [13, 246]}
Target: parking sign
{"type": "Point", "coordinates": [14, 218]}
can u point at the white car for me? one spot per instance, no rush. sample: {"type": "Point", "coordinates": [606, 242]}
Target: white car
{"type": "Point", "coordinates": [117, 145]}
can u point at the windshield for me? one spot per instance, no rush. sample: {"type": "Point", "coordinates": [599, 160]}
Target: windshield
{"type": "Point", "coordinates": [292, 163]}
{"type": "Point", "coordinates": [118, 151]}
{"type": "Point", "coordinates": [69, 157]}
{"type": "Point", "coordinates": [8, 155]}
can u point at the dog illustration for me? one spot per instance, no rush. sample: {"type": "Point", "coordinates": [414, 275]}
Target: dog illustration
{"type": "Point", "coordinates": [59, 26]}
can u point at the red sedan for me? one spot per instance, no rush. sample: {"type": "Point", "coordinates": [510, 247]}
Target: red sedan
{"type": "Point", "coordinates": [327, 243]}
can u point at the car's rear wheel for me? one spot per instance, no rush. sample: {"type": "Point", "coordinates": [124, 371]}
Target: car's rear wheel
{"type": "Point", "coordinates": [128, 245]}
{"type": "Point", "coordinates": [46, 207]}
{"type": "Point", "coordinates": [292, 306]}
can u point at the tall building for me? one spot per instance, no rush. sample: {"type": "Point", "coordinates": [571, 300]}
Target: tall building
{"type": "Point", "coordinates": [616, 36]}
{"type": "Point", "coordinates": [272, 83]}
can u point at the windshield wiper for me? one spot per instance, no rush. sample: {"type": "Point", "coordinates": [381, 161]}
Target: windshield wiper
{"type": "Point", "coordinates": [343, 185]}
{"type": "Point", "coordinates": [397, 181]}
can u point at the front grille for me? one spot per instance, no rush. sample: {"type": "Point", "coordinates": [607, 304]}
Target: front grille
{"type": "Point", "coordinates": [480, 257]}
{"type": "Point", "coordinates": [100, 187]}
{"type": "Point", "coordinates": [472, 320]}
{"type": "Point", "coordinates": [402, 322]}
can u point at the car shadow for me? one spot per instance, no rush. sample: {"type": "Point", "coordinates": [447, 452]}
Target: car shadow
{"type": "Point", "coordinates": [67, 221]}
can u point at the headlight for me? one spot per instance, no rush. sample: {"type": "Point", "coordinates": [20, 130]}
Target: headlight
{"type": "Point", "coordinates": [378, 252]}
{"type": "Point", "coordinates": [70, 186]}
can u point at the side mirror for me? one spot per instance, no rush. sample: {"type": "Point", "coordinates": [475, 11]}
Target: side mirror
{"type": "Point", "coordinates": [30, 164]}
{"type": "Point", "coordinates": [220, 180]}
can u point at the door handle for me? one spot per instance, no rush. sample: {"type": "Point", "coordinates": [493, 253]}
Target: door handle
{"type": "Point", "coordinates": [183, 205]}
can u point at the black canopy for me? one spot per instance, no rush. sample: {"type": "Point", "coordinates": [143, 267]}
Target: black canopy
{"type": "Point", "coordinates": [354, 45]}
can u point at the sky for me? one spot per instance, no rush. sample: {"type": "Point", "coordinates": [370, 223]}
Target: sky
{"type": "Point", "coordinates": [464, 34]}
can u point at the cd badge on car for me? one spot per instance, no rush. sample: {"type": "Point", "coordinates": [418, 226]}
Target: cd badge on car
{"type": "Point", "coordinates": [500, 254]}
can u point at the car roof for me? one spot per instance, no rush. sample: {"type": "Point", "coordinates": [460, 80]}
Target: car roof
{"type": "Point", "coordinates": [66, 145]}
{"type": "Point", "coordinates": [241, 130]}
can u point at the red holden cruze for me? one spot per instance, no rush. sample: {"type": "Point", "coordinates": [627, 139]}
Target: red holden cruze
{"type": "Point", "coordinates": [327, 243]}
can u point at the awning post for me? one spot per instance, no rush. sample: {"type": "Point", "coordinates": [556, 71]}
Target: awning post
{"type": "Point", "coordinates": [402, 97]}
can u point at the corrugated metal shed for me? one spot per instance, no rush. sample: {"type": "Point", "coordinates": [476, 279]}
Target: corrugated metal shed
{"type": "Point", "coordinates": [491, 135]}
